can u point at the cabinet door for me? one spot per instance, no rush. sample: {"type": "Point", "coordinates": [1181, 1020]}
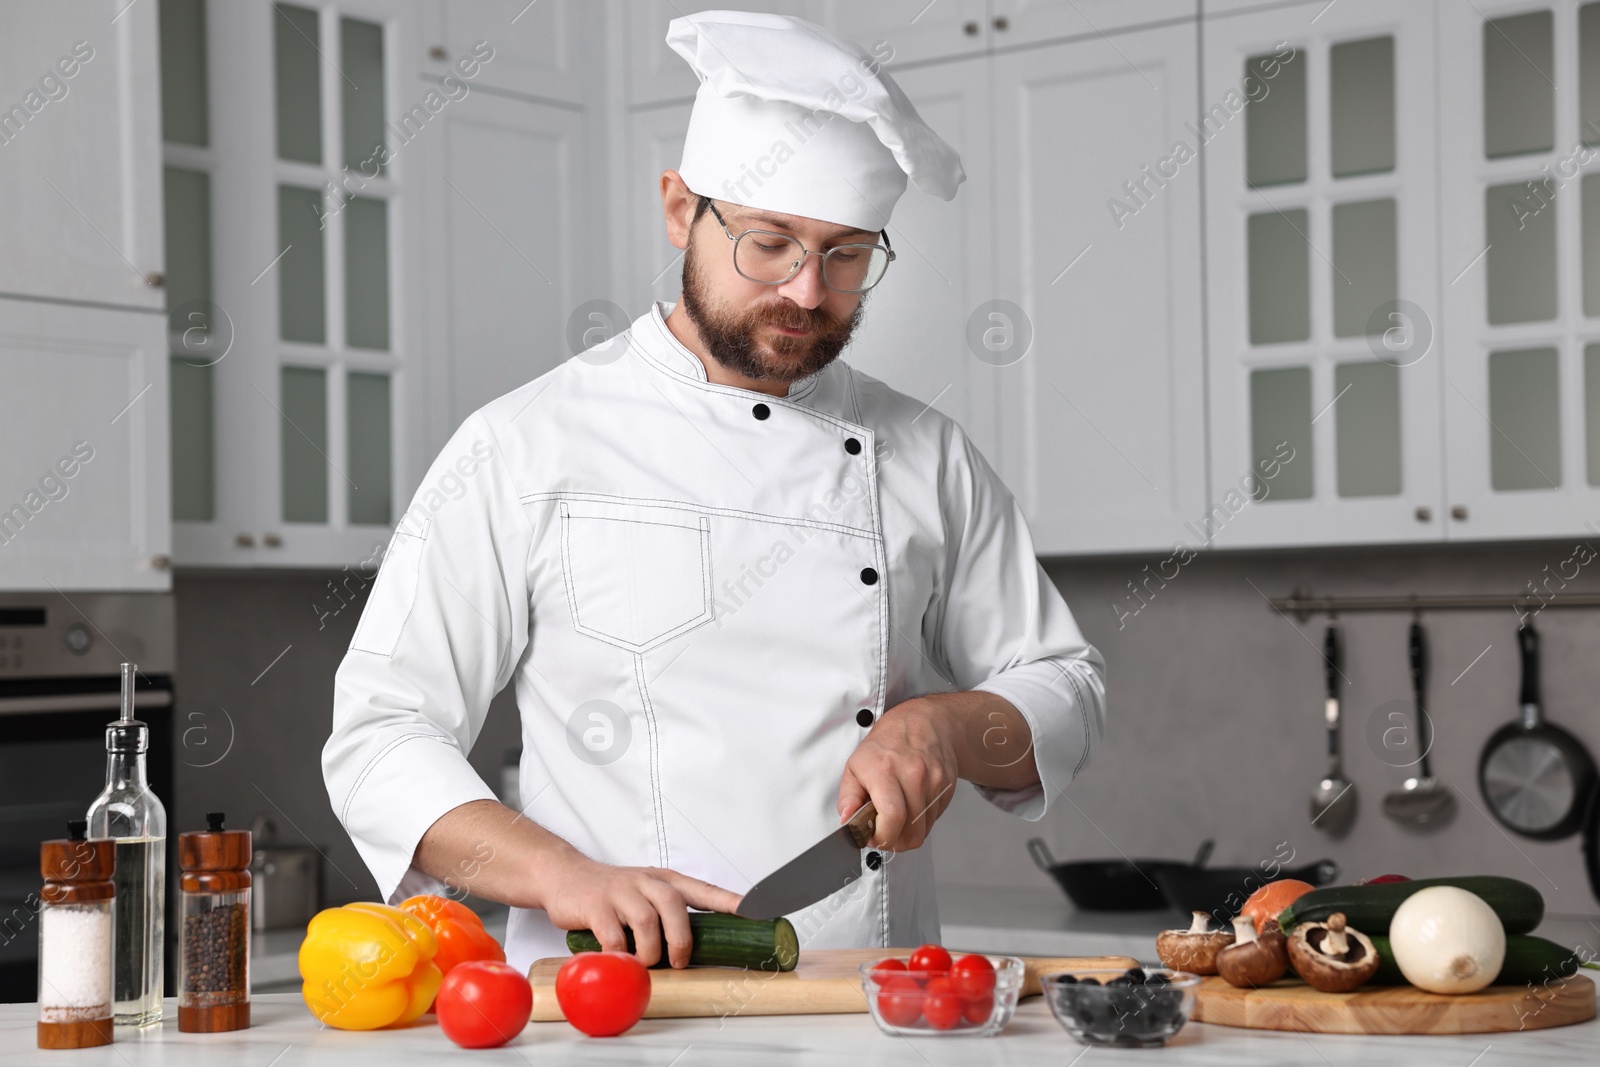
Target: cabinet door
{"type": "Point", "coordinates": [80, 157]}
{"type": "Point", "coordinates": [913, 333]}
{"type": "Point", "coordinates": [1031, 21]}
{"type": "Point", "coordinates": [912, 30]}
{"type": "Point", "coordinates": [1521, 259]}
{"type": "Point", "coordinates": [534, 44]}
{"type": "Point", "coordinates": [656, 73]}
{"type": "Point", "coordinates": [83, 504]}
{"type": "Point", "coordinates": [510, 249]}
{"type": "Point", "coordinates": [1322, 274]}
{"type": "Point", "coordinates": [1102, 427]}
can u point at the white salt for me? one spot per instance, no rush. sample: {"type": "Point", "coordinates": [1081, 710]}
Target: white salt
{"type": "Point", "coordinates": [75, 956]}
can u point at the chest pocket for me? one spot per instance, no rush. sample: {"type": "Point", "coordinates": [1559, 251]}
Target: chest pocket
{"type": "Point", "coordinates": [637, 577]}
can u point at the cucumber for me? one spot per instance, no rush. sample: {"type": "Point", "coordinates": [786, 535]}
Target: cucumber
{"type": "Point", "coordinates": [1528, 960]}
{"type": "Point", "coordinates": [722, 941]}
{"type": "Point", "coordinates": [1369, 908]}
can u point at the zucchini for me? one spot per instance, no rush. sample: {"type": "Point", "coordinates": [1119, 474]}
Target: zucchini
{"type": "Point", "coordinates": [1369, 908]}
{"type": "Point", "coordinates": [722, 941]}
{"type": "Point", "coordinates": [1529, 960]}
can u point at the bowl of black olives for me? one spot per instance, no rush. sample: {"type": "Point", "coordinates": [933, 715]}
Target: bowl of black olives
{"type": "Point", "coordinates": [1136, 1008]}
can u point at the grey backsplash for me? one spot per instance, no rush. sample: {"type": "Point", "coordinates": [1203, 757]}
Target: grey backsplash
{"type": "Point", "coordinates": [1214, 727]}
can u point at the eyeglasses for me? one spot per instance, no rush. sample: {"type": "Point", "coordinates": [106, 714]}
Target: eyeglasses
{"type": "Point", "coordinates": [773, 258]}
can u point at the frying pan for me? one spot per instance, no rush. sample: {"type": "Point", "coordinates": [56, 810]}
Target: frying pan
{"type": "Point", "coordinates": [1112, 885]}
{"type": "Point", "coordinates": [1535, 776]}
{"type": "Point", "coordinates": [1222, 891]}
{"type": "Point", "coordinates": [1591, 841]}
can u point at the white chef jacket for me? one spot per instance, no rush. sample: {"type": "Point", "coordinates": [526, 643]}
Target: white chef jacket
{"type": "Point", "coordinates": [737, 577]}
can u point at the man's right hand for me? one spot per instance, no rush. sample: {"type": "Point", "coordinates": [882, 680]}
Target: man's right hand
{"type": "Point", "coordinates": [585, 894]}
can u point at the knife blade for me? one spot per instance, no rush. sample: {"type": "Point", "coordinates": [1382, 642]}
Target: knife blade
{"type": "Point", "coordinates": [824, 868]}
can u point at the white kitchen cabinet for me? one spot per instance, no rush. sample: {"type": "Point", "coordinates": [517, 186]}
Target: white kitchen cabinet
{"type": "Point", "coordinates": [80, 158]}
{"type": "Point", "coordinates": [1325, 346]}
{"type": "Point", "coordinates": [1521, 261]}
{"type": "Point", "coordinates": [511, 248]}
{"type": "Point", "coordinates": [1102, 422]}
{"type": "Point", "coordinates": [910, 31]}
{"type": "Point", "coordinates": [312, 387]}
{"type": "Point", "coordinates": [84, 503]}
{"type": "Point", "coordinates": [1021, 22]}
{"type": "Point", "coordinates": [536, 45]}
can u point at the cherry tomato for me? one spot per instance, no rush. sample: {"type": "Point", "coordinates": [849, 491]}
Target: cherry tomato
{"type": "Point", "coordinates": [483, 1003]}
{"type": "Point", "coordinates": [941, 1005]}
{"type": "Point", "coordinates": [976, 1010]}
{"type": "Point", "coordinates": [973, 976]}
{"type": "Point", "coordinates": [603, 993]}
{"type": "Point", "coordinates": [900, 1000]}
{"type": "Point", "coordinates": [930, 960]}
{"type": "Point", "coordinates": [888, 968]}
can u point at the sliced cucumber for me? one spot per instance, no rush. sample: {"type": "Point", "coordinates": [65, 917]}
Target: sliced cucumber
{"type": "Point", "coordinates": [722, 941]}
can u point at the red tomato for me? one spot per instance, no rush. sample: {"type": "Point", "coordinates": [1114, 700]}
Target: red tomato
{"type": "Point", "coordinates": [941, 1005]}
{"type": "Point", "coordinates": [603, 993]}
{"type": "Point", "coordinates": [973, 976]}
{"type": "Point", "coordinates": [483, 1003]}
{"type": "Point", "coordinates": [976, 1010]}
{"type": "Point", "coordinates": [930, 960]}
{"type": "Point", "coordinates": [900, 1000]}
{"type": "Point", "coordinates": [888, 968]}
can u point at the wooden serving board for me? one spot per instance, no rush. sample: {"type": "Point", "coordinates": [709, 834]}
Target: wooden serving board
{"type": "Point", "coordinates": [1293, 1005]}
{"type": "Point", "coordinates": [825, 981]}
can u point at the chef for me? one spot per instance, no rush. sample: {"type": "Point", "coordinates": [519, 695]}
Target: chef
{"type": "Point", "coordinates": [740, 587]}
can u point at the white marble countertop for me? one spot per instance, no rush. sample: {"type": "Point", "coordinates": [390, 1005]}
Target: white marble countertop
{"type": "Point", "coordinates": [285, 1035]}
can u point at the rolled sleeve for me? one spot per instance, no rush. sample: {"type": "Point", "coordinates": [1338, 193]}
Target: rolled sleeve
{"type": "Point", "coordinates": [1000, 626]}
{"type": "Point", "coordinates": [441, 634]}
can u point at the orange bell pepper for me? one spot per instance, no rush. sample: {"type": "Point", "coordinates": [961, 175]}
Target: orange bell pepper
{"type": "Point", "coordinates": [366, 966]}
{"type": "Point", "coordinates": [459, 931]}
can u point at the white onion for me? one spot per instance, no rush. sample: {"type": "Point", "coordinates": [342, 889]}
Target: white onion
{"type": "Point", "coordinates": [1447, 940]}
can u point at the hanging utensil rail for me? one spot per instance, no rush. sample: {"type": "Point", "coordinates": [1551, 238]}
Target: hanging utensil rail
{"type": "Point", "coordinates": [1304, 605]}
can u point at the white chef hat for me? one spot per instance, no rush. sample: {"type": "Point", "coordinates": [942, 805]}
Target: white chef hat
{"type": "Point", "coordinates": [790, 117]}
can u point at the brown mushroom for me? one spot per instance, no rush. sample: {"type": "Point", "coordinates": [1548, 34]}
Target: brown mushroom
{"type": "Point", "coordinates": [1332, 956]}
{"type": "Point", "coordinates": [1195, 949]}
{"type": "Point", "coordinates": [1254, 959]}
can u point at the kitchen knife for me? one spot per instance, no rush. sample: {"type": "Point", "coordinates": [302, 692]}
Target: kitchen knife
{"type": "Point", "coordinates": [824, 868]}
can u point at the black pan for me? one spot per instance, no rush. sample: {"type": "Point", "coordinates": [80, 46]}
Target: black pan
{"type": "Point", "coordinates": [1112, 885]}
{"type": "Point", "coordinates": [1534, 775]}
{"type": "Point", "coordinates": [1222, 891]}
{"type": "Point", "coordinates": [1591, 842]}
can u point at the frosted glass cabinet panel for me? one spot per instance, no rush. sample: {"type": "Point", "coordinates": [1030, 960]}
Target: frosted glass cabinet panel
{"type": "Point", "coordinates": [1322, 273]}
{"type": "Point", "coordinates": [1518, 84]}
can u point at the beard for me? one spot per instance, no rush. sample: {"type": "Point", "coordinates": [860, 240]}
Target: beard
{"type": "Point", "coordinates": [732, 338]}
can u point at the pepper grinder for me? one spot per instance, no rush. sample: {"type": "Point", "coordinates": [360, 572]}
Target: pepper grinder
{"type": "Point", "coordinates": [214, 954]}
{"type": "Point", "coordinates": [76, 941]}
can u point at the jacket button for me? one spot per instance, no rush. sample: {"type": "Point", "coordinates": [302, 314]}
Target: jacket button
{"type": "Point", "coordinates": [761, 411]}
{"type": "Point", "coordinates": [852, 446]}
{"type": "Point", "coordinates": [869, 576]}
{"type": "Point", "coordinates": [874, 860]}
{"type": "Point", "coordinates": [864, 717]}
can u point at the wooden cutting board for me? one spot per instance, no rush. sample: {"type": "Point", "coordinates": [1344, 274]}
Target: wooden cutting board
{"type": "Point", "coordinates": [1293, 1005]}
{"type": "Point", "coordinates": [825, 981]}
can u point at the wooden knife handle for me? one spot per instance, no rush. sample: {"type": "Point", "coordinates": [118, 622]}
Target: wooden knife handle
{"type": "Point", "coordinates": [862, 824]}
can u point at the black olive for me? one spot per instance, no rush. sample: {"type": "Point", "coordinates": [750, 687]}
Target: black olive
{"type": "Point", "coordinates": [1135, 974]}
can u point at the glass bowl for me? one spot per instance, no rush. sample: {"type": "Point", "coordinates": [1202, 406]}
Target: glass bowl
{"type": "Point", "coordinates": [1118, 1009]}
{"type": "Point", "coordinates": [902, 1004]}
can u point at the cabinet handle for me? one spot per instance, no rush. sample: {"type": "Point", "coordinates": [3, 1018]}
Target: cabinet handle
{"type": "Point", "coordinates": [1002, 23]}
{"type": "Point", "coordinates": [244, 540]}
{"type": "Point", "coordinates": [155, 279]}
{"type": "Point", "coordinates": [1459, 513]}
{"type": "Point", "coordinates": [161, 563]}
{"type": "Point", "coordinates": [970, 29]}
{"type": "Point", "coordinates": [437, 53]}
{"type": "Point", "coordinates": [272, 540]}
{"type": "Point", "coordinates": [1424, 514]}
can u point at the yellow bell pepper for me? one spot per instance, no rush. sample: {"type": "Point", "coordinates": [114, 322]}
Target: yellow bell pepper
{"type": "Point", "coordinates": [366, 966]}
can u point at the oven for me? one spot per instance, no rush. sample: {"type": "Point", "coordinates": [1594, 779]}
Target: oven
{"type": "Point", "coordinates": [60, 655]}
